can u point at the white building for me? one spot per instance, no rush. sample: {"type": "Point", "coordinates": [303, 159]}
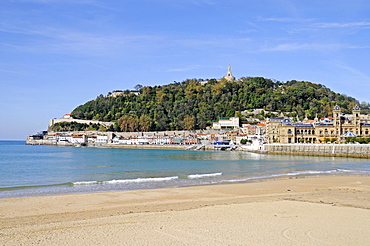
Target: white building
{"type": "Point", "coordinates": [91, 139]}
{"type": "Point", "coordinates": [255, 142]}
{"type": "Point", "coordinates": [102, 139]}
{"type": "Point", "coordinates": [79, 139]}
{"type": "Point", "coordinates": [226, 123]}
{"type": "Point", "coordinates": [162, 140]}
{"type": "Point", "coordinates": [65, 138]}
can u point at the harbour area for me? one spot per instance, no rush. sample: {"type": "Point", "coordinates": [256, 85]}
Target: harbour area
{"type": "Point", "coordinates": [192, 140]}
{"type": "Point", "coordinates": [187, 140]}
{"type": "Point", "coordinates": [342, 135]}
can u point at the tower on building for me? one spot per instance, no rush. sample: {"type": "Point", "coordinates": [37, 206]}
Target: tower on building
{"type": "Point", "coordinates": [337, 115]}
{"type": "Point", "coordinates": [356, 114]}
{"type": "Point", "coordinates": [337, 118]}
{"type": "Point", "coordinates": [356, 120]}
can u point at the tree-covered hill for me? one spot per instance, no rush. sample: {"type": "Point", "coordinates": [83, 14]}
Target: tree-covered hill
{"type": "Point", "coordinates": [189, 104]}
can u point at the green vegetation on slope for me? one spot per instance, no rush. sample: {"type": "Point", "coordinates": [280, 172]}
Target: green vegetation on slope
{"type": "Point", "coordinates": [190, 105]}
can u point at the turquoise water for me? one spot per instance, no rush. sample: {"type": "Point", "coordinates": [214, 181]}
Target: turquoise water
{"type": "Point", "coordinates": [46, 170]}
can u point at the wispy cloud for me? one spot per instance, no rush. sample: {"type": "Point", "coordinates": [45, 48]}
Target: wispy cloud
{"type": "Point", "coordinates": [69, 41]}
{"type": "Point", "coordinates": [61, 40]}
{"type": "Point", "coordinates": [286, 19]}
{"type": "Point", "coordinates": [311, 46]}
{"type": "Point", "coordinates": [359, 74]}
{"type": "Point", "coordinates": [313, 25]}
{"type": "Point", "coordinates": [185, 2]}
{"type": "Point", "coordinates": [12, 71]}
{"type": "Point", "coordinates": [183, 69]}
{"type": "Point", "coordinates": [342, 25]}
{"type": "Point", "coordinates": [300, 46]}
{"type": "Point", "coordinates": [213, 41]}
{"type": "Point", "coordinates": [59, 1]}
{"type": "Point", "coordinates": [352, 79]}
{"type": "Point", "coordinates": [201, 2]}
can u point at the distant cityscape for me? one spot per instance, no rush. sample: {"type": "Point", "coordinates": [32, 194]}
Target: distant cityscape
{"type": "Point", "coordinates": [337, 128]}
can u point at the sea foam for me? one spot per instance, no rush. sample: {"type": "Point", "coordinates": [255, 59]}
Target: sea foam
{"type": "Point", "coordinates": [85, 183]}
{"type": "Point", "coordinates": [140, 180]}
{"type": "Point", "coordinates": [207, 175]}
{"type": "Point", "coordinates": [126, 181]}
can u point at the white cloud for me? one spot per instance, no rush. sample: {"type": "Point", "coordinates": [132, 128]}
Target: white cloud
{"type": "Point", "coordinates": [58, 1]}
{"type": "Point", "coordinates": [61, 40]}
{"type": "Point", "coordinates": [312, 47]}
{"type": "Point", "coordinates": [359, 74]}
{"type": "Point", "coordinates": [182, 3]}
{"type": "Point", "coordinates": [202, 2]}
{"type": "Point", "coordinates": [183, 69]}
{"type": "Point", "coordinates": [343, 25]}
{"type": "Point", "coordinates": [213, 41]}
{"type": "Point", "coordinates": [301, 46]}
{"type": "Point", "coordinates": [286, 19]}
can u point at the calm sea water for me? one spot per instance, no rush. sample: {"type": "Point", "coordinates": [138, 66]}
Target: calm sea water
{"type": "Point", "coordinates": [47, 170]}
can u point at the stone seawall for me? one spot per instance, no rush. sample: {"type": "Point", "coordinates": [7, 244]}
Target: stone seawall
{"type": "Point", "coordinates": [47, 142]}
{"type": "Point", "coordinates": [158, 146]}
{"type": "Point", "coordinates": [122, 146]}
{"type": "Point", "coordinates": [340, 150]}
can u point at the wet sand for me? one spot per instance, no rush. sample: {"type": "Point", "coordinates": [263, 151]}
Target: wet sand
{"type": "Point", "coordinates": [299, 211]}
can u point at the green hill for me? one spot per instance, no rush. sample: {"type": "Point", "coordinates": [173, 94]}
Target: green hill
{"type": "Point", "coordinates": [191, 105]}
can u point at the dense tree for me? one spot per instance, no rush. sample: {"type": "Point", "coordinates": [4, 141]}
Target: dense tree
{"type": "Point", "coordinates": [189, 122]}
{"type": "Point", "coordinates": [128, 123]}
{"type": "Point", "coordinates": [170, 106]}
{"type": "Point", "coordinates": [138, 87]}
{"type": "Point", "coordinates": [145, 123]}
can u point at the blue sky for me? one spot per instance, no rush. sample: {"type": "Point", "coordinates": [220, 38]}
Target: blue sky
{"type": "Point", "coordinates": [58, 54]}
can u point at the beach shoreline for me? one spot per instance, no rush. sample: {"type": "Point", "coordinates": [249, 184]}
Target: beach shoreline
{"type": "Point", "coordinates": [325, 150]}
{"type": "Point", "coordinates": [289, 211]}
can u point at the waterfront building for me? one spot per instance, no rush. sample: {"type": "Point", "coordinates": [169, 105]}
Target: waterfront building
{"type": "Point", "coordinates": [276, 128]}
{"type": "Point", "coordinates": [226, 123]}
{"type": "Point", "coordinates": [335, 128]}
{"type": "Point", "coordinates": [102, 139]}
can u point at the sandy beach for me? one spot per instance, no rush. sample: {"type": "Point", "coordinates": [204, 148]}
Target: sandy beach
{"type": "Point", "coordinates": [298, 211]}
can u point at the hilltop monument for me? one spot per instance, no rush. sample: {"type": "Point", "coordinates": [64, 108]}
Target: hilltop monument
{"type": "Point", "coordinates": [229, 76]}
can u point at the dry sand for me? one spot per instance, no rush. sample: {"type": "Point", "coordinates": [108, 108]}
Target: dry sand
{"type": "Point", "coordinates": [297, 211]}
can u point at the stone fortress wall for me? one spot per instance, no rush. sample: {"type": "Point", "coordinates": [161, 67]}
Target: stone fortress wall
{"type": "Point", "coordinates": [70, 119]}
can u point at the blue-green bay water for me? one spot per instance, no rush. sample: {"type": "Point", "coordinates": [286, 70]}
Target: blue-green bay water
{"type": "Point", "coordinates": [48, 170]}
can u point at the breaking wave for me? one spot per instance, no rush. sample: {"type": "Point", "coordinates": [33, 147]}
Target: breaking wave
{"type": "Point", "coordinates": [140, 180]}
{"type": "Point", "coordinates": [126, 181]}
{"type": "Point", "coordinates": [207, 175]}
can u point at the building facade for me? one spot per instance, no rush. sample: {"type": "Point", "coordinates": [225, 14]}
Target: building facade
{"type": "Point", "coordinates": [226, 123]}
{"type": "Point", "coordinates": [336, 128]}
